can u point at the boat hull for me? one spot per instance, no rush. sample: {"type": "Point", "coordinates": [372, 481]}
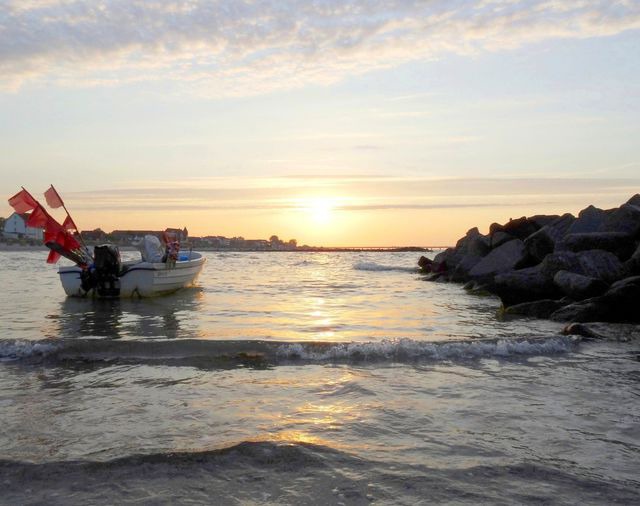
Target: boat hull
{"type": "Point", "coordinates": [141, 279]}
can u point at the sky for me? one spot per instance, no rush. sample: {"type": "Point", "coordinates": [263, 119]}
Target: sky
{"type": "Point", "coordinates": [334, 122]}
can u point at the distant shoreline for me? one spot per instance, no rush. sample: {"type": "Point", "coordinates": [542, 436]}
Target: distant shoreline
{"type": "Point", "coordinates": [364, 249]}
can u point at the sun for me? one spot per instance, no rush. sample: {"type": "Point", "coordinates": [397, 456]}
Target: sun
{"type": "Point", "coordinates": [320, 210]}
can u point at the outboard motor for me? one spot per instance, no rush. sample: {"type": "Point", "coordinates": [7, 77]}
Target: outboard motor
{"type": "Point", "coordinates": [104, 274]}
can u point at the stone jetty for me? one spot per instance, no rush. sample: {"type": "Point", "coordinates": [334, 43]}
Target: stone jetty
{"type": "Point", "coordinates": [567, 268]}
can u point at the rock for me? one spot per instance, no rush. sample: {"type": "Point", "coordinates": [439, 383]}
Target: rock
{"type": "Point", "coordinates": [459, 260]}
{"type": "Point", "coordinates": [577, 286]}
{"type": "Point", "coordinates": [632, 265]}
{"type": "Point", "coordinates": [560, 261]}
{"type": "Point", "coordinates": [499, 238]}
{"type": "Point", "coordinates": [460, 273]}
{"type": "Point", "coordinates": [620, 287]}
{"type": "Point", "coordinates": [433, 276]}
{"type": "Point", "coordinates": [501, 259]}
{"type": "Point", "coordinates": [520, 228]}
{"type": "Point", "coordinates": [635, 200]}
{"type": "Point", "coordinates": [474, 243]}
{"type": "Point", "coordinates": [618, 304]}
{"type": "Point", "coordinates": [601, 265]}
{"type": "Point", "coordinates": [543, 242]}
{"type": "Point", "coordinates": [599, 330]}
{"type": "Point", "coordinates": [441, 260]}
{"type": "Point", "coordinates": [590, 219]}
{"type": "Point", "coordinates": [625, 219]}
{"type": "Point", "coordinates": [524, 285]}
{"type": "Point", "coordinates": [589, 310]}
{"type": "Point", "coordinates": [470, 285]}
{"type": "Point", "coordinates": [618, 243]}
{"type": "Point", "coordinates": [580, 329]}
{"type": "Point", "coordinates": [425, 264]}
{"type": "Point", "coordinates": [536, 309]}
{"type": "Point", "coordinates": [542, 220]}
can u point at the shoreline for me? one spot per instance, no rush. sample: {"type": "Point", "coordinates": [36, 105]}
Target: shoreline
{"type": "Point", "coordinates": [399, 249]}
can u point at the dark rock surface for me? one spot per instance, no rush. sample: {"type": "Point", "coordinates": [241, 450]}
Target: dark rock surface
{"type": "Point", "coordinates": [543, 242]}
{"type": "Point", "coordinates": [590, 219]}
{"type": "Point", "coordinates": [537, 309]}
{"type": "Point", "coordinates": [617, 331]}
{"type": "Point", "coordinates": [531, 263]}
{"type": "Point", "coordinates": [618, 243]}
{"type": "Point", "coordinates": [501, 259]}
{"type": "Point", "coordinates": [524, 285]}
{"type": "Point", "coordinates": [579, 287]}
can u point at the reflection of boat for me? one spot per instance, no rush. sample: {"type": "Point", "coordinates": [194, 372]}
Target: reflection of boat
{"type": "Point", "coordinates": [133, 278]}
{"type": "Point", "coordinates": [169, 317]}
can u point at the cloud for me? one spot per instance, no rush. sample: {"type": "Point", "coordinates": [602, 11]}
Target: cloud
{"type": "Point", "coordinates": [236, 47]}
{"type": "Point", "coordinates": [358, 193]}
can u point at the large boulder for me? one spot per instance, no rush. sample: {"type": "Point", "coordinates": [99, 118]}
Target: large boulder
{"type": "Point", "coordinates": [499, 238]}
{"type": "Point", "coordinates": [618, 304]}
{"type": "Point", "coordinates": [625, 288]}
{"type": "Point", "coordinates": [476, 244]}
{"type": "Point", "coordinates": [635, 200]}
{"type": "Point", "coordinates": [632, 265]}
{"type": "Point", "coordinates": [501, 259]}
{"type": "Point", "coordinates": [520, 228]}
{"type": "Point", "coordinates": [560, 261]}
{"type": "Point", "coordinates": [460, 273]}
{"type": "Point", "coordinates": [536, 309]}
{"type": "Point", "coordinates": [425, 264]}
{"type": "Point", "coordinates": [458, 261]}
{"type": "Point", "coordinates": [601, 265]}
{"type": "Point", "coordinates": [625, 219]}
{"type": "Point", "coordinates": [618, 243]}
{"type": "Point", "coordinates": [590, 219]}
{"type": "Point", "coordinates": [543, 242]}
{"type": "Point", "coordinates": [577, 286]}
{"type": "Point", "coordinates": [524, 285]}
{"type": "Point", "coordinates": [589, 310]}
{"type": "Point", "coordinates": [442, 260]}
{"type": "Point", "coordinates": [542, 220]}
{"type": "Point", "coordinates": [616, 331]}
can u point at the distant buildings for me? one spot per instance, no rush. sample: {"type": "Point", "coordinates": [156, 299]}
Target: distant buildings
{"type": "Point", "coordinates": [15, 227]}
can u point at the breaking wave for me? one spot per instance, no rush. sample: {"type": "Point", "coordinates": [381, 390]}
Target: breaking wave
{"type": "Point", "coordinates": [20, 349]}
{"type": "Point", "coordinates": [203, 353]}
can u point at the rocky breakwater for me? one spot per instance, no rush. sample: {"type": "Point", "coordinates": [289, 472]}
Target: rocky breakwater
{"type": "Point", "coordinates": [567, 268]}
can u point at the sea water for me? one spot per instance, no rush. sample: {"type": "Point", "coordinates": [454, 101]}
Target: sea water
{"type": "Point", "coordinates": [305, 378]}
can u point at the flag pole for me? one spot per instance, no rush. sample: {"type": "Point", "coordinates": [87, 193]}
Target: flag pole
{"type": "Point", "coordinates": [69, 215]}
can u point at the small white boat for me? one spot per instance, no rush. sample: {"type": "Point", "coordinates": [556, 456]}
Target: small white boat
{"type": "Point", "coordinates": [135, 278]}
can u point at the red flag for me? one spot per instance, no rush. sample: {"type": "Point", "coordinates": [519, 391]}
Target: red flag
{"type": "Point", "coordinates": [53, 199]}
{"type": "Point", "coordinates": [68, 223]}
{"type": "Point", "coordinates": [39, 218]}
{"type": "Point", "coordinates": [23, 202]}
{"type": "Point", "coordinates": [53, 257]}
{"type": "Point", "coordinates": [69, 242]}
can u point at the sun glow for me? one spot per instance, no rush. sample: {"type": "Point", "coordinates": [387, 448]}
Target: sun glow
{"type": "Point", "coordinates": [320, 210]}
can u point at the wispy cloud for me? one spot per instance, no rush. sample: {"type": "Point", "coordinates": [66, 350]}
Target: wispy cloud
{"type": "Point", "coordinates": [359, 193]}
{"type": "Point", "coordinates": [235, 47]}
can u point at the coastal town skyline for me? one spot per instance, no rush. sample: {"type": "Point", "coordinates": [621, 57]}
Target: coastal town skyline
{"type": "Point", "coordinates": [343, 124]}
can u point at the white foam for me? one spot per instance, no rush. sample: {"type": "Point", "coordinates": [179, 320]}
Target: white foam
{"type": "Point", "coordinates": [20, 349]}
{"type": "Point", "coordinates": [409, 349]}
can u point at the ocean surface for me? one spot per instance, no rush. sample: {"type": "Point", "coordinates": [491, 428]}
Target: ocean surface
{"type": "Point", "coordinates": [305, 378]}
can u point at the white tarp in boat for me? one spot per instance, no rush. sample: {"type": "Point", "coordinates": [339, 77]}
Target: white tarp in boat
{"type": "Point", "coordinates": [151, 249]}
